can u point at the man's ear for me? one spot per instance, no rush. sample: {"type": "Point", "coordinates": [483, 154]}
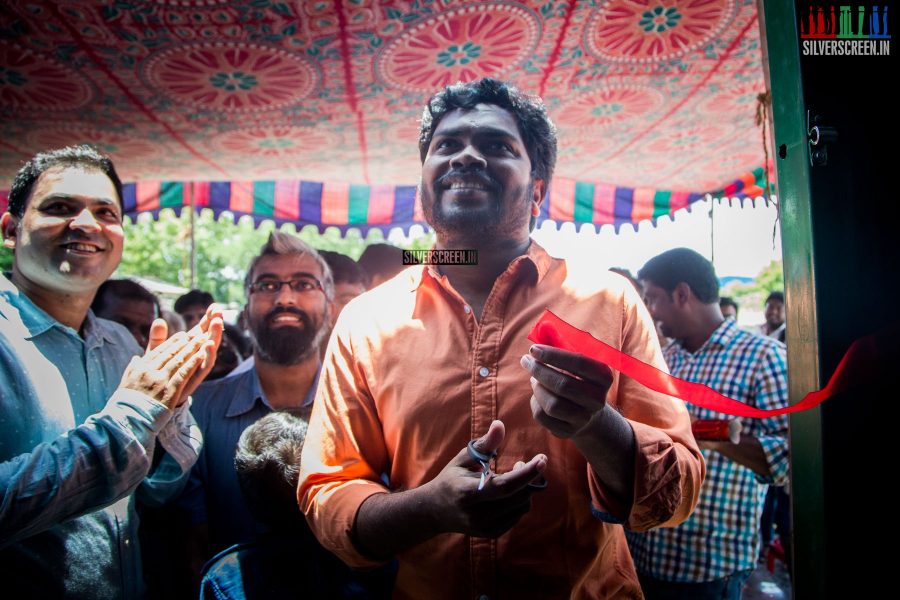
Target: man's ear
{"type": "Point", "coordinates": [682, 293]}
{"type": "Point", "coordinates": [539, 191]}
{"type": "Point", "coordinates": [332, 312]}
{"type": "Point", "coordinates": [9, 224]}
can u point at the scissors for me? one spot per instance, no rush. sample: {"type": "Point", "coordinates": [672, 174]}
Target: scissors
{"type": "Point", "coordinates": [485, 459]}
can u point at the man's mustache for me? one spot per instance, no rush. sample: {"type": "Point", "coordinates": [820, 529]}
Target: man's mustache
{"type": "Point", "coordinates": [75, 237]}
{"type": "Point", "coordinates": [303, 316]}
{"type": "Point", "coordinates": [472, 175]}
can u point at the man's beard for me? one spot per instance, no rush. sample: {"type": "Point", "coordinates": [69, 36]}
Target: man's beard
{"type": "Point", "coordinates": [476, 225]}
{"type": "Point", "coordinates": [287, 344]}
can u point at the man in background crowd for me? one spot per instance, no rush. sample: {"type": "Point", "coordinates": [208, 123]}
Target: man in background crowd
{"type": "Point", "coordinates": [380, 262]}
{"type": "Point", "coordinates": [349, 280]}
{"type": "Point", "coordinates": [774, 325]}
{"type": "Point", "coordinates": [713, 553]}
{"type": "Point", "coordinates": [728, 307]}
{"type": "Point", "coordinates": [288, 288]}
{"type": "Point", "coordinates": [130, 304]}
{"type": "Point", "coordinates": [192, 306]}
{"type": "Point", "coordinates": [287, 560]}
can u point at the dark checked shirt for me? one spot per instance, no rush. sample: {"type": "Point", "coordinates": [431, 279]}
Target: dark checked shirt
{"type": "Point", "coordinates": [721, 537]}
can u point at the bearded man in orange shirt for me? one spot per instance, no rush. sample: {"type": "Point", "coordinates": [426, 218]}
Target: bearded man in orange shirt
{"type": "Point", "coordinates": [438, 356]}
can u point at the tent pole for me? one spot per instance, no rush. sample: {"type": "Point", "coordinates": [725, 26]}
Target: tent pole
{"type": "Point", "coordinates": [193, 238]}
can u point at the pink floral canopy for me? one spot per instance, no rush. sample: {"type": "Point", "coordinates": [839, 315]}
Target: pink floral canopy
{"type": "Point", "coordinates": [655, 100]}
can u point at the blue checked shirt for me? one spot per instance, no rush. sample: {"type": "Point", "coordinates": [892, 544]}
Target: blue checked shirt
{"type": "Point", "coordinates": [721, 537]}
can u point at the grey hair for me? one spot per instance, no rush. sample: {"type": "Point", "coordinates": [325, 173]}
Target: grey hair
{"type": "Point", "coordinates": [285, 244]}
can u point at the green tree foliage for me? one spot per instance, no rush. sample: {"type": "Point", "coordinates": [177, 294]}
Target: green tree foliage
{"type": "Point", "coordinates": [5, 260]}
{"type": "Point", "coordinates": [753, 294]}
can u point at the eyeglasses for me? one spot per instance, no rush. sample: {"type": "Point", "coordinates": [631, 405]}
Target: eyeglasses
{"type": "Point", "coordinates": [301, 285]}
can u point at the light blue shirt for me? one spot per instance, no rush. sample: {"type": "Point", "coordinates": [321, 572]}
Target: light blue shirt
{"type": "Point", "coordinates": [224, 408]}
{"type": "Point", "coordinates": [72, 451]}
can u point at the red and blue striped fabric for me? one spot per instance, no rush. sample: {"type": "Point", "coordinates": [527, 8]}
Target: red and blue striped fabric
{"type": "Point", "coordinates": [350, 206]}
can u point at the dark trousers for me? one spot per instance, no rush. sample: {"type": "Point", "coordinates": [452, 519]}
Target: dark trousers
{"type": "Point", "coordinates": [727, 588]}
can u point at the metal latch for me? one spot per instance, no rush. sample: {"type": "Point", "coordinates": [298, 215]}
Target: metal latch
{"type": "Point", "coordinates": [818, 137]}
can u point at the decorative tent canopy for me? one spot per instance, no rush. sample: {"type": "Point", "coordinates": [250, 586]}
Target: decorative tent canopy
{"type": "Point", "coordinates": [655, 100]}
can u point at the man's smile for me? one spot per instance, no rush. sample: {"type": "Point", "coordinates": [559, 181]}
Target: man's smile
{"type": "Point", "coordinates": [82, 247]}
{"type": "Point", "coordinates": [285, 318]}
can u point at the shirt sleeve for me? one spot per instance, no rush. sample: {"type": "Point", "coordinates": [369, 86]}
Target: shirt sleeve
{"type": "Point", "coordinates": [771, 391]}
{"type": "Point", "coordinates": [181, 440]}
{"type": "Point", "coordinates": [669, 467]}
{"type": "Point", "coordinates": [84, 469]}
{"type": "Point", "coordinates": [344, 453]}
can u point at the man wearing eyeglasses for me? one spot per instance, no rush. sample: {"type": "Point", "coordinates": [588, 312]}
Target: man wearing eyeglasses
{"type": "Point", "coordinates": [289, 289]}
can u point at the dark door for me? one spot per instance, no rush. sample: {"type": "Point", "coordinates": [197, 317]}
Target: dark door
{"type": "Point", "coordinates": [842, 280]}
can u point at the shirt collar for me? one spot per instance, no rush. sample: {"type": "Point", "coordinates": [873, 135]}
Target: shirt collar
{"type": "Point", "coordinates": [36, 321]}
{"type": "Point", "coordinates": [247, 391]}
{"type": "Point", "coordinates": [97, 331]}
{"type": "Point", "coordinates": [720, 338]}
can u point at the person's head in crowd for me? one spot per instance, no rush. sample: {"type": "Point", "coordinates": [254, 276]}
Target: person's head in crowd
{"type": "Point", "coordinates": [64, 224]}
{"type": "Point", "coordinates": [459, 193]}
{"type": "Point", "coordinates": [380, 262]}
{"type": "Point", "coordinates": [129, 303]}
{"type": "Point", "coordinates": [728, 307]}
{"type": "Point", "coordinates": [774, 310]}
{"type": "Point", "coordinates": [235, 347]}
{"type": "Point", "coordinates": [267, 463]}
{"type": "Point", "coordinates": [349, 280]}
{"type": "Point", "coordinates": [681, 291]}
{"type": "Point", "coordinates": [627, 275]}
{"type": "Point", "coordinates": [289, 288]}
{"type": "Point", "coordinates": [174, 322]}
{"type": "Point", "coordinates": [192, 306]}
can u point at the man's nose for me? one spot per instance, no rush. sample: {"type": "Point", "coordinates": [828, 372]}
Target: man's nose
{"type": "Point", "coordinates": [85, 220]}
{"type": "Point", "coordinates": [285, 295]}
{"type": "Point", "coordinates": [468, 157]}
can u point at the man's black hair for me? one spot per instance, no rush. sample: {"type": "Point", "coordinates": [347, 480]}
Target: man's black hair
{"type": "Point", "coordinates": [343, 268]}
{"type": "Point", "coordinates": [238, 339]}
{"type": "Point", "coordinates": [728, 301]}
{"type": "Point", "coordinates": [84, 157]}
{"type": "Point", "coordinates": [193, 298]}
{"type": "Point", "coordinates": [775, 296]}
{"type": "Point", "coordinates": [537, 131]}
{"type": "Point", "coordinates": [124, 289]}
{"type": "Point", "coordinates": [683, 265]}
{"type": "Point", "coordinates": [384, 260]}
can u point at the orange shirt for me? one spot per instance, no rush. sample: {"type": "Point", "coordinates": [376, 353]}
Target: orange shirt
{"type": "Point", "coordinates": [410, 377]}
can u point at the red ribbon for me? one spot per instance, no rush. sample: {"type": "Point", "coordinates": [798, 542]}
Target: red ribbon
{"type": "Point", "coordinates": [550, 330]}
